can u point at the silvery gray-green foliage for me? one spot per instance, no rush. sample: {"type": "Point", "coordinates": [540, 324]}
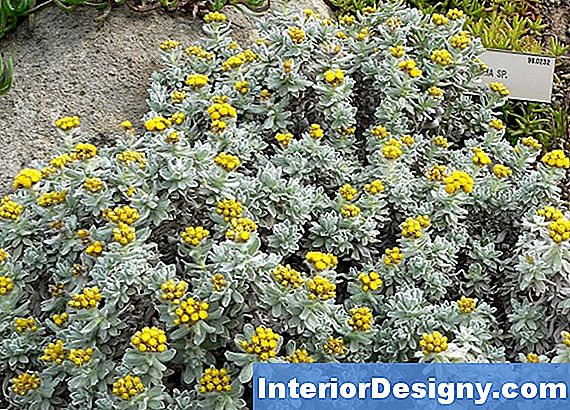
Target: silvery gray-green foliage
{"type": "Point", "coordinates": [489, 244]}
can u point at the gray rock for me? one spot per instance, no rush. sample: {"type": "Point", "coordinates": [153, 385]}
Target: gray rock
{"type": "Point", "coordinates": [71, 64]}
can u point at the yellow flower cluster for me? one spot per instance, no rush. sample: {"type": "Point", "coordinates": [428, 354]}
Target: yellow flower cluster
{"type": "Point", "coordinates": [550, 213]}
{"type": "Point", "coordinates": [193, 235]}
{"type": "Point", "coordinates": [361, 319]}
{"type": "Point", "coordinates": [132, 157]}
{"type": "Point", "coordinates": [173, 291]}
{"type": "Point", "coordinates": [499, 88]}
{"type": "Point", "coordinates": [177, 96]}
{"type": "Point", "coordinates": [10, 209]}
{"type": "Point", "coordinates": [59, 320]}
{"type": "Point", "coordinates": [437, 173]}
{"type": "Point", "coordinates": [23, 324]}
{"type": "Point", "coordinates": [239, 59]}
{"type": "Point", "coordinates": [157, 123]}
{"type": "Point", "coordinates": [26, 178]}
{"type": "Point", "coordinates": [393, 256]}
{"type": "Point", "coordinates": [3, 255]}
{"type": "Point", "coordinates": [127, 387]}
{"type": "Point", "coordinates": [124, 234]}
{"type": "Point", "coordinates": [455, 14]}
{"type": "Point", "coordinates": [263, 343]}
{"type": "Point", "coordinates": [497, 124]}
{"type": "Point", "coordinates": [84, 151]}
{"type": "Point", "coordinates": [412, 228]}
{"type": "Point", "coordinates": [169, 44]}
{"type": "Point", "coordinates": [198, 51]}
{"type": "Point", "coordinates": [265, 94]}
{"type": "Point", "coordinates": [334, 77]}
{"type": "Point", "coordinates": [89, 298]}
{"type": "Point", "coordinates": [532, 143]}
{"type": "Point", "coordinates": [150, 339]}
{"type": "Point", "coordinates": [408, 140]}
{"type": "Point", "coordinates": [556, 158]}
{"type": "Point", "coordinates": [316, 132]}
{"type": "Point", "coordinates": [215, 380]}
{"type": "Point", "coordinates": [93, 185]}
{"type": "Point", "coordinates": [172, 138]}
{"type": "Point", "coordinates": [433, 342]}
{"type": "Point", "coordinates": [439, 19]}
{"type": "Point", "coordinates": [95, 249]}
{"type": "Point", "coordinates": [370, 281]}
{"type": "Point", "coordinates": [435, 92]}
{"type": "Point", "coordinates": [396, 51]}
{"type": "Point", "coordinates": [300, 356]}
{"type": "Point", "coordinates": [218, 282]}
{"type": "Point", "coordinates": [441, 57]}
{"type": "Point", "coordinates": [54, 353]}
{"type": "Point", "coordinates": [191, 311]}
{"type": "Point", "coordinates": [124, 214]}
{"type": "Point", "coordinates": [321, 261]}
{"type": "Point", "coordinates": [178, 117]}
{"type": "Point", "coordinates": [229, 209]}
{"type": "Point", "coordinates": [25, 382]}
{"type": "Point", "coordinates": [242, 87]}
{"type": "Point", "coordinates": [393, 23]}
{"type": "Point", "coordinates": [288, 277]}
{"type": "Point", "coordinates": [458, 180]}
{"type": "Point", "coordinates": [480, 157]}
{"type": "Point", "coordinates": [461, 40]}
{"type": "Point", "coordinates": [441, 141]}
{"type": "Point", "coordinates": [350, 211]}
{"type": "Point", "coordinates": [392, 149]}
{"type": "Point", "coordinates": [466, 305]}
{"type": "Point", "coordinates": [61, 160]}
{"type": "Point", "coordinates": [410, 67]}
{"type": "Point", "coordinates": [227, 161]}
{"type": "Point", "coordinates": [334, 347]}
{"type": "Point", "coordinates": [559, 230]}
{"type": "Point", "coordinates": [532, 358]}
{"type": "Point", "coordinates": [296, 34]}
{"type": "Point", "coordinates": [321, 288]}
{"type": "Point", "coordinates": [126, 125]}
{"type": "Point", "coordinates": [220, 110]}
{"type": "Point", "coordinates": [374, 187]}
{"type": "Point", "coordinates": [288, 66]}
{"type": "Point", "coordinates": [241, 229]}
{"type": "Point", "coordinates": [215, 16]}
{"type": "Point", "coordinates": [52, 198]}
{"type": "Point", "coordinates": [566, 338]}
{"type": "Point", "coordinates": [348, 192]}
{"type": "Point", "coordinates": [379, 132]}
{"type": "Point", "coordinates": [502, 171]}
{"type": "Point", "coordinates": [284, 138]}
{"type": "Point", "coordinates": [346, 20]}
{"type": "Point", "coordinates": [363, 34]}
{"type": "Point", "coordinates": [67, 123]}
{"type": "Point", "coordinates": [80, 357]}
{"type": "Point", "coordinates": [197, 80]}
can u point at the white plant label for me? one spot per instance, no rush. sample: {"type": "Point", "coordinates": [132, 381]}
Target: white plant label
{"type": "Point", "coordinates": [527, 76]}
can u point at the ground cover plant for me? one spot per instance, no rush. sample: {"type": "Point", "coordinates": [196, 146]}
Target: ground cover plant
{"type": "Point", "coordinates": [340, 191]}
{"type": "Point", "coordinates": [510, 25]}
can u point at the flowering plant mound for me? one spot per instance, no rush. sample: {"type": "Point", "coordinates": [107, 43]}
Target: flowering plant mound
{"type": "Point", "coordinates": [338, 191]}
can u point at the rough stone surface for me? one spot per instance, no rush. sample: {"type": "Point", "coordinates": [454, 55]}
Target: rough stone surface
{"type": "Point", "coordinates": [71, 64]}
